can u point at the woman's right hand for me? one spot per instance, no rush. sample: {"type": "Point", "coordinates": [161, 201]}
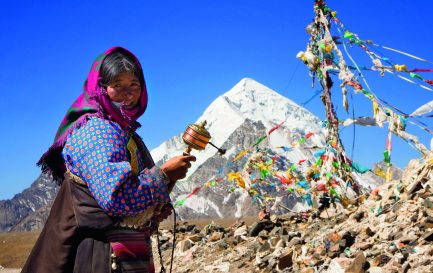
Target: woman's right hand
{"type": "Point", "coordinates": [176, 167]}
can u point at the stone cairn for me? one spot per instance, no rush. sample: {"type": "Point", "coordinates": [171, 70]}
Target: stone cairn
{"type": "Point", "coordinates": [390, 230]}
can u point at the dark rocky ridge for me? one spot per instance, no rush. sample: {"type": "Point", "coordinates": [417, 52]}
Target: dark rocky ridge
{"type": "Point", "coordinates": [28, 204]}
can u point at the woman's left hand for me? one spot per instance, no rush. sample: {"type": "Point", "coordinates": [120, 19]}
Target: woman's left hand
{"type": "Point", "coordinates": [163, 213]}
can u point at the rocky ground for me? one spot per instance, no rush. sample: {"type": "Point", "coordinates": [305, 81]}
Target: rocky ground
{"type": "Point", "coordinates": [391, 230]}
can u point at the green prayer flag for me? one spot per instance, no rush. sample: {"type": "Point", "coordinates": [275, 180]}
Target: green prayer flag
{"type": "Point", "coordinates": [413, 75]}
{"type": "Point", "coordinates": [345, 166]}
{"type": "Point", "coordinates": [260, 140]}
{"type": "Point", "coordinates": [333, 192]}
{"type": "Point", "coordinates": [180, 202]}
{"type": "Point", "coordinates": [386, 157]}
{"type": "Point", "coordinates": [368, 94]}
{"type": "Point", "coordinates": [348, 34]}
{"type": "Point", "coordinates": [359, 168]}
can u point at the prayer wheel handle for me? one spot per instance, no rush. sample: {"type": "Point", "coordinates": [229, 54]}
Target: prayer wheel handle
{"type": "Point", "coordinates": [197, 137]}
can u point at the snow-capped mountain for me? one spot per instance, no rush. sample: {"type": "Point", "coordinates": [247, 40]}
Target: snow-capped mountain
{"type": "Point", "coordinates": [235, 121]}
{"type": "Point", "coordinates": [248, 100]}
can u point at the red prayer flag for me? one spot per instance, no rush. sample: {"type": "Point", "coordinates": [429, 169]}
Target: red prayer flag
{"type": "Point", "coordinates": [421, 70]}
{"type": "Point", "coordinates": [194, 191]}
{"type": "Point", "coordinates": [283, 180]}
{"type": "Point", "coordinates": [301, 161]}
{"type": "Point", "coordinates": [276, 127]}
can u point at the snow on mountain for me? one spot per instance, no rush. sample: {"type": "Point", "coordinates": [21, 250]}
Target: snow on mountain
{"type": "Point", "coordinates": [231, 119]}
{"type": "Point", "coordinates": [251, 100]}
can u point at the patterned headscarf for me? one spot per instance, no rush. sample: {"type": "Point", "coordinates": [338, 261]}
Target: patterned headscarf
{"type": "Point", "coordinates": [94, 101]}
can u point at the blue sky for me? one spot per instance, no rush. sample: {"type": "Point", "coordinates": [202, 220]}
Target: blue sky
{"type": "Point", "coordinates": [191, 52]}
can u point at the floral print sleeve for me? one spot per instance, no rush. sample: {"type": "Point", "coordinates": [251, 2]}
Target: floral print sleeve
{"type": "Point", "coordinates": [97, 152]}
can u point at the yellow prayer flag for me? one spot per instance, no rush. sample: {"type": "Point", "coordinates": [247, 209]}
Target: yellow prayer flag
{"type": "Point", "coordinates": [380, 173]}
{"type": "Point", "coordinates": [388, 174]}
{"type": "Point", "coordinates": [375, 108]}
{"type": "Point", "coordinates": [241, 154]}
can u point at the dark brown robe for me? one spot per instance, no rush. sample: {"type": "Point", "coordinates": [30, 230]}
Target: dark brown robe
{"type": "Point", "coordinates": [73, 238]}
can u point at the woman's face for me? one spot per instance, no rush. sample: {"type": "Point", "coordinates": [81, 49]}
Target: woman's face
{"type": "Point", "coordinates": [125, 89]}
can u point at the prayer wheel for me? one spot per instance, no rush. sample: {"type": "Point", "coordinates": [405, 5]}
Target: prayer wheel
{"type": "Point", "coordinates": [197, 137]}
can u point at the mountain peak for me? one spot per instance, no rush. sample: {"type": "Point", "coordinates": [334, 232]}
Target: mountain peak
{"type": "Point", "coordinates": [246, 86]}
{"type": "Point", "coordinates": [247, 100]}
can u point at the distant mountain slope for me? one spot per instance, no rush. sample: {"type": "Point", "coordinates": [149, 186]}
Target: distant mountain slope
{"type": "Point", "coordinates": [39, 194]}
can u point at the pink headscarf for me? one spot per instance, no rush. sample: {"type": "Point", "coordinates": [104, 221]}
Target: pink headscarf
{"type": "Point", "coordinates": [93, 101]}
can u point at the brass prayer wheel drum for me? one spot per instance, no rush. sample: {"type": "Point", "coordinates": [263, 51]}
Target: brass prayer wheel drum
{"type": "Point", "coordinates": [197, 137]}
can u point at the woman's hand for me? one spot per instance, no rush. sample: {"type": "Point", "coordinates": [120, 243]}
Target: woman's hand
{"type": "Point", "coordinates": [177, 167]}
{"type": "Point", "coordinates": [163, 213]}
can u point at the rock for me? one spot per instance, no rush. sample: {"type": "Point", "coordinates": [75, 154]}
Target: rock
{"type": "Point", "coordinates": [208, 229]}
{"type": "Point", "coordinates": [295, 241]}
{"type": "Point", "coordinates": [347, 240]}
{"type": "Point", "coordinates": [195, 237]}
{"type": "Point", "coordinates": [185, 245]}
{"type": "Point", "coordinates": [223, 267]}
{"type": "Point", "coordinates": [241, 231]}
{"type": "Point", "coordinates": [362, 245]}
{"type": "Point", "coordinates": [406, 266]}
{"type": "Point", "coordinates": [380, 260]}
{"type": "Point", "coordinates": [274, 241]}
{"type": "Point", "coordinates": [185, 227]}
{"type": "Point", "coordinates": [375, 270]}
{"type": "Point", "coordinates": [339, 265]}
{"type": "Point", "coordinates": [390, 217]}
{"type": "Point", "coordinates": [399, 258]}
{"type": "Point", "coordinates": [280, 244]}
{"type": "Point", "coordinates": [285, 261]}
{"type": "Point", "coordinates": [256, 228]}
{"type": "Point", "coordinates": [428, 202]}
{"type": "Point", "coordinates": [359, 215]}
{"type": "Point", "coordinates": [222, 244]}
{"type": "Point", "coordinates": [428, 236]}
{"type": "Point", "coordinates": [357, 265]}
{"type": "Point", "coordinates": [263, 234]}
{"type": "Point", "coordinates": [429, 212]}
{"type": "Point", "coordinates": [335, 248]}
{"type": "Point", "coordinates": [408, 239]}
{"type": "Point", "coordinates": [216, 236]}
{"type": "Point", "coordinates": [276, 231]}
{"type": "Point", "coordinates": [395, 235]}
{"type": "Point", "coordinates": [266, 247]}
{"type": "Point", "coordinates": [334, 237]}
{"type": "Point", "coordinates": [293, 234]}
{"type": "Point", "coordinates": [328, 213]}
{"type": "Point", "coordinates": [415, 186]}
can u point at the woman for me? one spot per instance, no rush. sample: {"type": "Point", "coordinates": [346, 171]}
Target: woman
{"type": "Point", "coordinates": [111, 192]}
